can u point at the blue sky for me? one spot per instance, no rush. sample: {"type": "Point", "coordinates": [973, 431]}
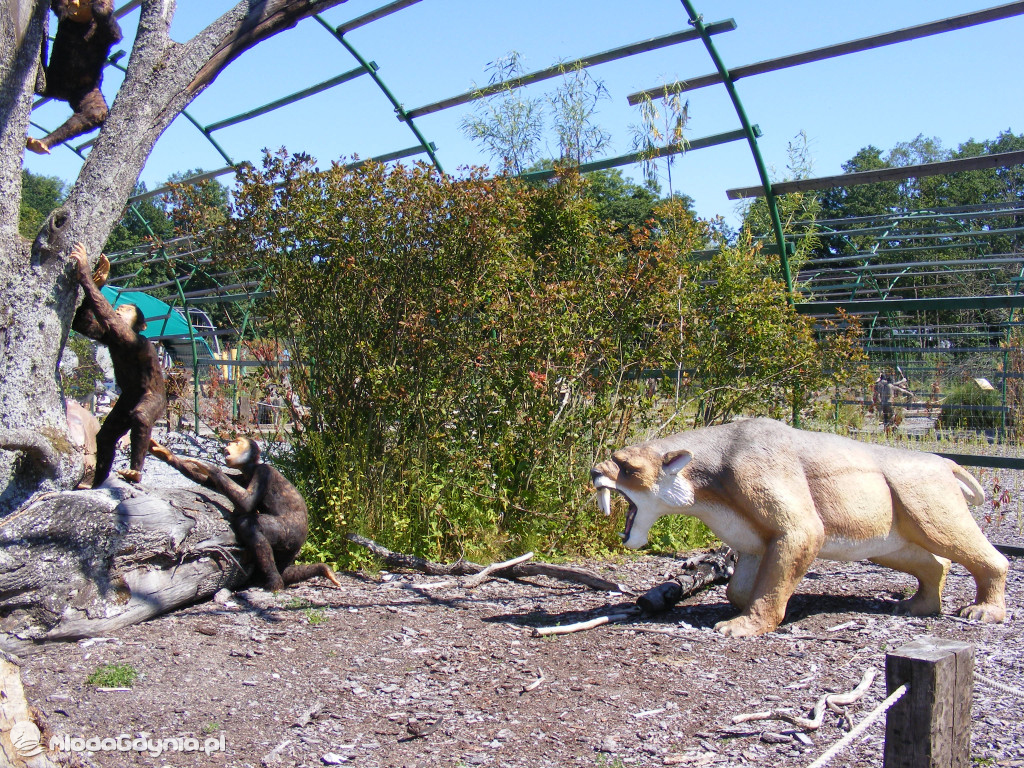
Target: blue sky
{"type": "Point", "coordinates": [955, 86]}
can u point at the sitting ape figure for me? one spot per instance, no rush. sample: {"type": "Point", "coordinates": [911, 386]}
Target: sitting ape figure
{"type": "Point", "coordinates": [270, 514]}
{"type": "Point", "coordinates": [86, 30]}
{"type": "Point", "coordinates": [137, 372]}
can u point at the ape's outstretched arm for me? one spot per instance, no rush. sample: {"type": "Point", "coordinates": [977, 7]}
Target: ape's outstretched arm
{"type": "Point", "coordinates": [194, 469]}
{"type": "Point", "coordinates": [245, 499]}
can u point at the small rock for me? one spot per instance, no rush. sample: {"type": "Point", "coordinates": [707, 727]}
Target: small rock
{"type": "Point", "coordinates": [333, 758]}
{"type": "Point", "coordinates": [206, 629]}
{"type": "Point", "coordinates": [223, 597]}
{"type": "Point", "coordinates": [504, 733]}
{"type": "Point", "coordinates": [775, 738]}
{"type": "Point", "coordinates": [608, 745]}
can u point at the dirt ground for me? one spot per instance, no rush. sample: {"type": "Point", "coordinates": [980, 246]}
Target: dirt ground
{"type": "Point", "coordinates": [412, 670]}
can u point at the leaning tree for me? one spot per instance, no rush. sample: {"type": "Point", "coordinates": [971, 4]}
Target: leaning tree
{"type": "Point", "coordinates": [75, 563]}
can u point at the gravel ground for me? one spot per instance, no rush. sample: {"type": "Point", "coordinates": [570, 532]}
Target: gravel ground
{"type": "Point", "coordinates": [413, 670]}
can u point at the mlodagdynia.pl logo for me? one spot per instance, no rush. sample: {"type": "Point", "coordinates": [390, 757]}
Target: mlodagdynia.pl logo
{"type": "Point", "coordinates": [26, 738]}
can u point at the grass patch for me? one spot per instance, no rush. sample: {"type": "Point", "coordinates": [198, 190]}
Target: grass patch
{"type": "Point", "coordinates": [314, 616]}
{"type": "Point", "coordinates": [113, 676]}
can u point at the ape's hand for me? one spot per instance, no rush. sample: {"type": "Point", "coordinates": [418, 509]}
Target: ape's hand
{"type": "Point", "coordinates": [199, 471]}
{"type": "Point", "coordinates": [162, 453]}
{"type": "Point", "coordinates": [81, 257]}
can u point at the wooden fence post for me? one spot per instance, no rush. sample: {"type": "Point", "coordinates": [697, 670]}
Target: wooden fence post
{"type": "Point", "coordinates": [930, 727]}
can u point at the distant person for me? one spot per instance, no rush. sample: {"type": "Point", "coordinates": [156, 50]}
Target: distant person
{"type": "Point", "coordinates": [884, 391]}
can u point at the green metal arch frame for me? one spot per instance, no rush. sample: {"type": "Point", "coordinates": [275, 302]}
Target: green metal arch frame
{"type": "Point", "coordinates": [427, 146]}
{"type": "Point", "coordinates": [697, 21]}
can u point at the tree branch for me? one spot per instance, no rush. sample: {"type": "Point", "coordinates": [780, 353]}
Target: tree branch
{"type": "Point", "coordinates": [162, 79]}
{"type": "Point", "coordinates": [264, 19]}
{"type": "Point", "coordinates": [512, 569]}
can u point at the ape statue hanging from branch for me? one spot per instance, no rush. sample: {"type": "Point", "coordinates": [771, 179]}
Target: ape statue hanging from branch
{"type": "Point", "coordinates": [270, 514]}
{"type": "Point", "coordinates": [137, 371]}
{"type": "Point", "coordinates": [86, 31]}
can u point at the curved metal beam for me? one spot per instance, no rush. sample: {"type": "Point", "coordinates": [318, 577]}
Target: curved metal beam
{"type": "Point", "coordinates": [428, 147]}
{"type": "Point", "coordinates": [773, 209]}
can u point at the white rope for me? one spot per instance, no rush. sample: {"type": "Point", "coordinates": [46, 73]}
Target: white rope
{"type": "Point", "coordinates": [840, 745]}
{"type": "Point", "coordinates": [1000, 686]}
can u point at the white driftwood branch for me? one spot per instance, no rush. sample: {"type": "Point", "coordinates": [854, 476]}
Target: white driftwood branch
{"type": "Point", "coordinates": [485, 574]}
{"type": "Point", "coordinates": [536, 683]}
{"type": "Point", "coordinates": [818, 713]}
{"type": "Point", "coordinates": [567, 629]}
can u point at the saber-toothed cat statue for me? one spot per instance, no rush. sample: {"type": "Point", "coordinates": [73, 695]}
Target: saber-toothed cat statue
{"type": "Point", "coordinates": [782, 497]}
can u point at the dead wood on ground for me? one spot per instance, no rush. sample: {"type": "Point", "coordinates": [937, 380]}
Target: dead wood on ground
{"type": "Point", "coordinates": [513, 569]}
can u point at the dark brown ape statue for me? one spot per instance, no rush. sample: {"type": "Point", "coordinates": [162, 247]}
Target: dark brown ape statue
{"type": "Point", "coordinates": [137, 372]}
{"type": "Point", "coordinates": [270, 514]}
{"type": "Point", "coordinates": [86, 31]}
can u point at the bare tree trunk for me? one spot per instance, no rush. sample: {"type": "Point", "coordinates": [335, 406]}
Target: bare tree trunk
{"type": "Point", "coordinates": [33, 323]}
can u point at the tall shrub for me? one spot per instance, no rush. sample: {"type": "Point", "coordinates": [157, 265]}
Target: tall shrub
{"type": "Point", "coordinates": [465, 348]}
{"type": "Point", "coordinates": [743, 348]}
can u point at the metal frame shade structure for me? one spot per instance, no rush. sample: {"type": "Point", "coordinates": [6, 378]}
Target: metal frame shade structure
{"type": "Point", "coordinates": [967, 261]}
{"type": "Point", "coordinates": [723, 75]}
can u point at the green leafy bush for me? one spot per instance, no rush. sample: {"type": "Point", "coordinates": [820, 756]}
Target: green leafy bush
{"type": "Point", "coordinates": [968, 406]}
{"type": "Point", "coordinates": [464, 349]}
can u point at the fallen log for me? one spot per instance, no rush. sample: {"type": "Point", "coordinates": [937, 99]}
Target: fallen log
{"type": "Point", "coordinates": [697, 573]}
{"type": "Point", "coordinates": [76, 564]}
{"type": "Point", "coordinates": [413, 562]}
{"type": "Point", "coordinates": [513, 569]}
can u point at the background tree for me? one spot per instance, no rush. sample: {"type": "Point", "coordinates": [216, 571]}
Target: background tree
{"type": "Point", "coordinates": [622, 203]}
{"type": "Point", "coordinates": [508, 124]}
{"type": "Point", "coordinates": [662, 124]}
{"type": "Point", "coordinates": [39, 196]}
{"type": "Point", "coordinates": [145, 223]}
{"type": "Point", "coordinates": [574, 106]}
{"type": "Point", "coordinates": [944, 194]}
{"type": "Point", "coordinates": [799, 211]}
{"type": "Point", "coordinates": [745, 350]}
